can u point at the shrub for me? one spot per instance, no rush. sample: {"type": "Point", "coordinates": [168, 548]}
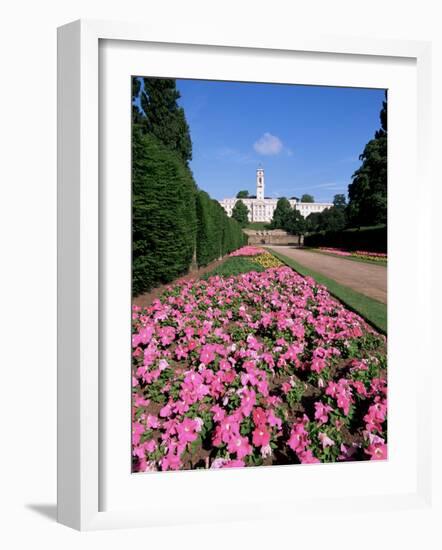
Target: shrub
{"type": "Point", "coordinates": [217, 234]}
{"type": "Point", "coordinates": [372, 239]}
{"type": "Point", "coordinates": [163, 210]}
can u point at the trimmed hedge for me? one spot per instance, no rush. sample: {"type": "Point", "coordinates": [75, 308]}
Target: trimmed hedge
{"type": "Point", "coordinates": [217, 234]}
{"type": "Point", "coordinates": [233, 235]}
{"type": "Point", "coordinates": [172, 221]}
{"type": "Point", "coordinates": [372, 239]}
{"type": "Point", "coordinates": [163, 214]}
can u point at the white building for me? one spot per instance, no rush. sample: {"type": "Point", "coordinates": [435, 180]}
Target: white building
{"type": "Point", "coordinates": [261, 208]}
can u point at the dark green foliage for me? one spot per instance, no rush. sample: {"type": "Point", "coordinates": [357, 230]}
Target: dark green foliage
{"type": "Point", "coordinates": [368, 191]}
{"type": "Point", "coordinates": [172, 221]}
{"type": "Point", "coordinates": [281, 214]}
{"type": "Point", "coordinates": [330, 219]}
{"type": "Point", "coordinates": [240, 213]}
{"type": "Point", "coordinates": [233, 236]}
{"type": "Point", "coordinates": [217, 234]}
{"type": "Point", "coordinates": [372, 239]}
{"type": "Point", "coordinates": [163, 118]}
{"type": "Point", "coordinates": [339, 201]}
{"type": "Point", "coordinates": [307, 198]}
{"type": "Point", "coordinates": [234, 266]}
{"type": "Point", "coordinates": [242, 194]}
{"type": "Point", "coordinates": [295, 223]}
{"type": "Point", "coordinates": [210, 229]}
{"type": "Point", "coordinates": [313, 222]}
{"type": "Point", "coordinates": [163, 210]}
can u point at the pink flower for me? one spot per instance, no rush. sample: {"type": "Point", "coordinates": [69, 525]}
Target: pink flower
{"type": "Point", "coordinates": [377, 451]}
{"type": "Point", "coordinates": [325, 440]}
{"type": "Point", "coordinates": [152, 421]}
{"type": "Point", "coordinates": [248, 401]}
{"type": "Point", "coordinates": [211, 349]}
{"type": "Point", "coordinates": [306, 457]}
{"type": "Point", "coordinates": [239, 445]}
{"type": "Point", "coordinates": [298, 440]}
{"type": "Point", "coordinates": [207, 354]}
{"type": "Point", "coordinates": [137, 431]}
{"type": "Point", "coordinates": [171, 462]}
{"type": "Point", "coordinates": [261, 437]}
{"type": "Point", "coordinates": [166, 410]}
{"type": "Point", "coordinates": [321, 412]}
{"type": "Point", "coordinates": [166, 335]}
{"type": "Point", "coordinates": [218, 413]}
{"type": "Point", "coordinates": [259, 416]}
{"type": "Point", "coordinates": [187, 430]}
{"type": "Point", "coordinates": [226, 430]}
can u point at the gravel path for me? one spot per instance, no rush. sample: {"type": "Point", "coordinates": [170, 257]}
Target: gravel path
{"type": "Point", "coordinates": [365, 278]}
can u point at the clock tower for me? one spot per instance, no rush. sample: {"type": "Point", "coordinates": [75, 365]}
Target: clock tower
{"type": "Point", "coordinates": [260, 183]}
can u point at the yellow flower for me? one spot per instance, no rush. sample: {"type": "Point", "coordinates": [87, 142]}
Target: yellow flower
{"type": "Point", "coordinates": [267, 260]}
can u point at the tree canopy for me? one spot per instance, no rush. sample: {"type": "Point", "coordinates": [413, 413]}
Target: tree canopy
{"type": "Point", "coordinates": [174, 223]}
{"type": "Point", "coordinates": [330, 219]}
{"type": "Point", "coordinates": [281, 214]}
{"type": "Point", "coordinates": [295, 223]}
{"type": "Point", "coordinates": [161, 116]}
{"type": "Point", "coordinates": [240, 213]}
{"type": "Point", "coordinates": [307, 198]}
{"type": "Point", "coordinates": [368, 191]}
{"type": "Point", "coordinates": [243, 194]}
{"type": "Point", "coordinates": [339, 201]}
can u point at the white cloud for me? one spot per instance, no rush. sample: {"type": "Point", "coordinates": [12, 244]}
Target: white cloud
{"type": "Point", "coordinates": [268, 144]}
{"type": "Point", "coordinates": [233, 155]}
{"type": "Point", "coordinates": [330, 185]}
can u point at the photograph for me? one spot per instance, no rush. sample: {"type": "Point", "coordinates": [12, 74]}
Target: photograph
{"type": "Point", "coordinates": [259, 274]}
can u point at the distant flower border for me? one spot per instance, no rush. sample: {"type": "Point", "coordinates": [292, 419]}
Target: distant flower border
{"type": "Point", "coordinates": [363, 254]}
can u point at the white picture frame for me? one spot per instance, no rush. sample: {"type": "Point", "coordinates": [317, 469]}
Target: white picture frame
{"type": "Point", "coordinates": [81, 473]}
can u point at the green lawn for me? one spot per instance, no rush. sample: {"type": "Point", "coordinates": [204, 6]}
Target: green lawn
{"type": "Point", "coordinates": [373, 311]}
{"type": "Point", "coordinates": [259, 226]}
{"type": "Point", "coordinates": [351, 258]}
{"type": "Point", "coordinates": [234, 266]}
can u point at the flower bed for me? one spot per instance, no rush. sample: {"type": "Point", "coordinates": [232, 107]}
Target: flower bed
{"type": "Point", "coordinates": [267, 260]}
{"type": "Point", "coordinates": [337, 251]}
{"type": "Point", "coordinates": [362, 254]}
{"type": "Point", "coordinates": [255, 369]}
{"type": "Point", "coordinates": [247, 251]}
{"type": "Point", "coordinates": [370, 255]}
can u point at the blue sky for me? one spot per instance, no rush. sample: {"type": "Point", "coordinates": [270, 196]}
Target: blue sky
{"type": "Point", "coordinates": [307, 138]}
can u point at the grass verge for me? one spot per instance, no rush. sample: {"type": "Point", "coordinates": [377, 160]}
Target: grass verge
{"type": "Point", "coordinates": [259, 226]}
{"type": "Point", "coordinates": [234, 266]}
{"type": "Point", "coordinates": [373, 311]}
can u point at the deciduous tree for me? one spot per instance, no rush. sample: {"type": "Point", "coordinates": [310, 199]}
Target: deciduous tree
{"type": "Point", "coordinates": [307, 198]}
{"type": "Point", "coordinates": [281, 214]}
{"type": "Point", "coordinates": [240, 213]}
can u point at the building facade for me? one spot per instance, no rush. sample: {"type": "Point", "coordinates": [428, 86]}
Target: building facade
{"type": "Point", "coordinates": [261, 208]}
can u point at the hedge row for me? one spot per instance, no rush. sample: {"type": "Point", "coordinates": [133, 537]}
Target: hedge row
{"type": "Point", "coordinates": [372, 239]}
{"type": "Point", "coordinates": [217, 234]}
{"type": "Point", "coordinates": [171, 219]}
